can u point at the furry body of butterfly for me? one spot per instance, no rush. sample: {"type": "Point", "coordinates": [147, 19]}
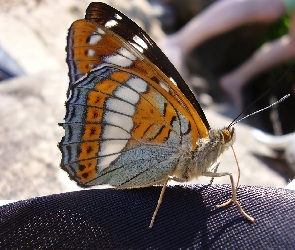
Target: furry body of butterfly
{"type": "Point", "coordinates": [193, 164]}
{"type": "Point", "coordinates": [131, 120]}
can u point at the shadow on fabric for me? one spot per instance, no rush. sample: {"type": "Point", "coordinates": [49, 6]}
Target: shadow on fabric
{"type": "Point", "coordinates": [119, 219]}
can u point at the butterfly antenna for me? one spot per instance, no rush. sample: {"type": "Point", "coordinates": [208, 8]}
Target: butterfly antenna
{"type": "Point", "coordinates": [261, 96]}
{"type": "Point", "coordinates": [281, 100]}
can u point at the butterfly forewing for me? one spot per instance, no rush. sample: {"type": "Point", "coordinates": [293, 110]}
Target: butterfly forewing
{"type": "Point", "coordinates": [130, 34]}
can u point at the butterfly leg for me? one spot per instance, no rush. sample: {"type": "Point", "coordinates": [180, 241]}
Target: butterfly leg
{"type": "Point", "coordinates": [215, 168]}
{"type": "Point", "coordinates": [234, 191]}
{"type": "Point", "coordinates": [159, 202]}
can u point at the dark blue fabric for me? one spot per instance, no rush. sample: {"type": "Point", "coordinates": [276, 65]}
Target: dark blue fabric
{"type": "Point", "coordinates": [119, 219]}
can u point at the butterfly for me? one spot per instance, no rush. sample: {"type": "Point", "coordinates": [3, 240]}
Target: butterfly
{"type": "Point", "coordinates": [131, 121]}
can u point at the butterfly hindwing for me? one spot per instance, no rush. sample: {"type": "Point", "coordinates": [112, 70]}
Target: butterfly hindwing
{"type": "Point", "coordinates": [122, 127]}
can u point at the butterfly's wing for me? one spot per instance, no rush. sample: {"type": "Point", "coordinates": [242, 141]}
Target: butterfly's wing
{"type": "Point", "coordinates": [127, 121]}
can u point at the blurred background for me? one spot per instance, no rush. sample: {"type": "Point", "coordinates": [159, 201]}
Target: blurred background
{"type": "Point", "coordinates": [34, 81]}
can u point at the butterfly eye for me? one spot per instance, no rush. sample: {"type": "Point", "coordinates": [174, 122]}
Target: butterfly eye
{"type": "Point", "coordinates": [226, 135]}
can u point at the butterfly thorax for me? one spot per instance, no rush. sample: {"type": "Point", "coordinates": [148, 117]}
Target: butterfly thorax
{"type": "Point", "coordinates": [193, 164]}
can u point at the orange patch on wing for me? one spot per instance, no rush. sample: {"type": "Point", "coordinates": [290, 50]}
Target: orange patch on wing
{"type": "Point", "coordinates": [82, 28]}
{"type": "Point", "coordinates": [140, 127]}
{"type": "Point", "coordinates": [91, 132]}
{"type": "Point", "coordinates": [87, 170]}
{"type": "Point", "coordinates": [145, 120]}
{"type": "Point", "coordinates": [96, 99]}
{"type": "Point", "coordinates": [120, 76]}
{"type": "Point", "coordinates": [93, 114]}
{"type": "Point", "coordinates": [107, 86]}
{"type": "Point", "coordinates": [109, 44]}
{"type": "Point", "coordinates": [150, 103]}
{"type": "Point", "coordinates": [164, 133]}
{"type": "Point", "coordinates": [85, 66]}
{"type": "Point", "coordinates": [88, 150]}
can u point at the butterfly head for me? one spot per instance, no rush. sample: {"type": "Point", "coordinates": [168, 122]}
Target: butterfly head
{"type": "Point", "coordinates": [226, 136]}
